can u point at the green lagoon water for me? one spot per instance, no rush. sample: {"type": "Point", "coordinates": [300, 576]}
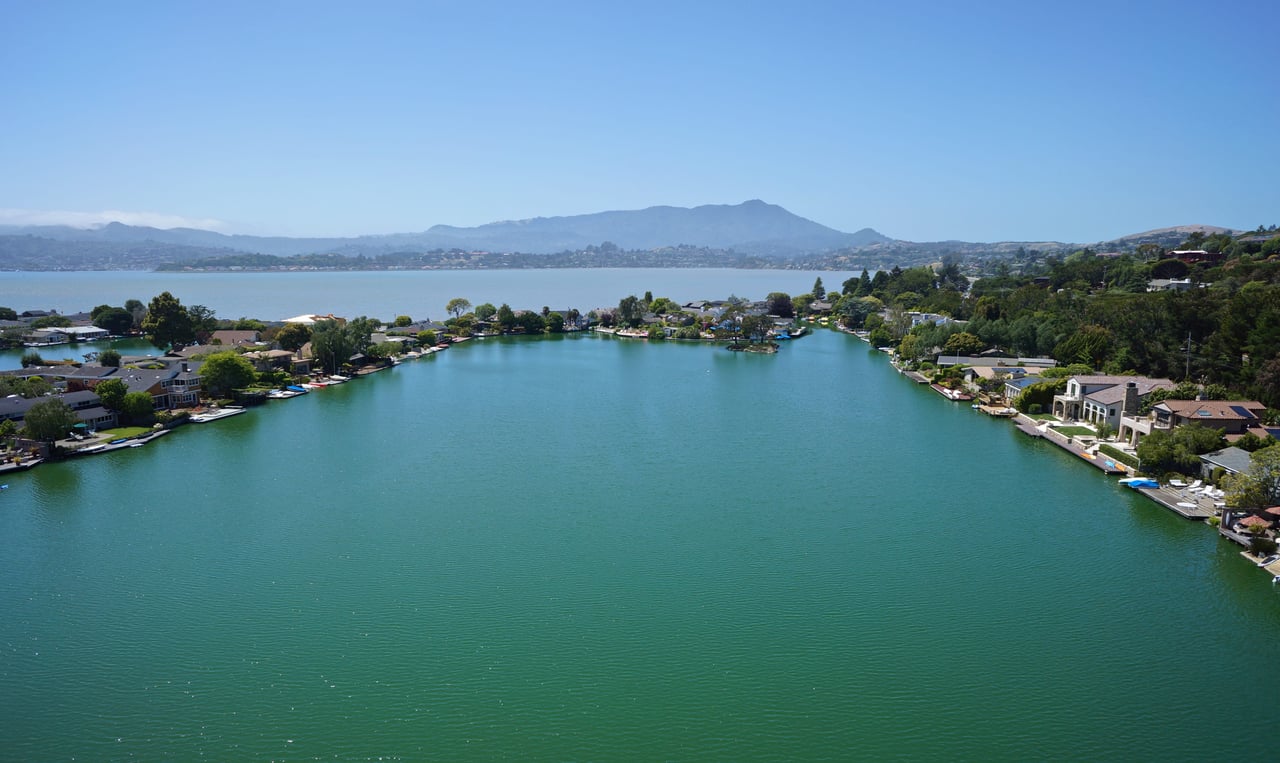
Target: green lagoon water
{"type": "Point", "coordinates": [585, 548]}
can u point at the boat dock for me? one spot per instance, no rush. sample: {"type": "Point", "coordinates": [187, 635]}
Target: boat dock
{"type": "Point", "coordinates": [1181, 503]}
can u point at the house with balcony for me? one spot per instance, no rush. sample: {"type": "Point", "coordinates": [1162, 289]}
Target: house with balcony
{"type": "Point", "coordinates": [169, 387]}
{"type": "Point", "coordinates": [1102, 400]}
{"type": "Point", "coordinates": [1232, 417]}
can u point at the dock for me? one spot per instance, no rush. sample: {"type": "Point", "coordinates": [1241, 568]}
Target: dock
{"type": "Point", "coordinates": [1180, 502]}
{"type": "Point", "coordinates": [999, 411]}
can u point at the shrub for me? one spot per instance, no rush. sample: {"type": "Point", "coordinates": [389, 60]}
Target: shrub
{"type": "Point", "coordinates": [1119, 455]}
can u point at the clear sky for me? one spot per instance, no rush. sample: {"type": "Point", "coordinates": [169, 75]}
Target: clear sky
{"type": "Point", "coordinates": [980, 121]}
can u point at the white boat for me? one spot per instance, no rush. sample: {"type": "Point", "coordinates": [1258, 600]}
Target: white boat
{"type": "Point", "coordinates": [214, 415]}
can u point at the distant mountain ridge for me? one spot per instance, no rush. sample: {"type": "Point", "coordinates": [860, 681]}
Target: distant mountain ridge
{"type": "Point", "coordinates": [753, 227]}
{"type": "Point", "coordinates": [725, 235]}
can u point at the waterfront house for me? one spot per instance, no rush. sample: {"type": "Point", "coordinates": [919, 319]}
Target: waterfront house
{"type": "Point", "coordinates": [168, 387]}
{"type": "Point", "coordinates": [270, 360]}
{"type": "Point", "coordinates": [1103, 399]}
{"type": "Point", "coordinates": [45, 337]}
{"type": "Point", "coordinates": [1231, 460]}
{"type": "Point", "coordinates": [228, 338]}
{"type": "Point", "coordinates": [1233, 417]}
{"type": "Point", "coordinates": [85, 333]}
{"type": "Point", "coordinates": [86, 405]}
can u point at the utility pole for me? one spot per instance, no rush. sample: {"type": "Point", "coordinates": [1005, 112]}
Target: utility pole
{"type": "Point", "coordinates": [1187, 373]}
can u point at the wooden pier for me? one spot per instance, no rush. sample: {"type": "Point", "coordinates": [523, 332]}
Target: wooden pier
{"type": "Point", "coordinates": [1180, 502]}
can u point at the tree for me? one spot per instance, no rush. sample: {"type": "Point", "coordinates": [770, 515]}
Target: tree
{"type": "Point", "coordinates": [779, 304]}
{"type": "Point", "coordinates": [963, 343]}
{"type": "Point", "coordinates": [49, 420]}
{"type": "Point", "coordinates": [203, 321]}
{"type": "Point", "coordinates": [457, 306]}
{"type": "Point", "coordinates": [115, 320]}
{"type": "Point", "coordinates": [109, 358]}
{"type": "Point", "coordinates": [531, 322]}
{"type": "Point", "coordinates": [331, 345]}
{"type": "Point", "coordinates": [292, 336]}
{"type": "Point", "coordinates": [486, 311]}
{"type": "Point", "coordinates": [137, 310]}
{"type": "Point", "coordinates": [51, 321]}
{"type": "Point", "coordinates": [223, 372]}
{"type": "Point", "coordinates": [555, 323]}
{"type": "Point", "coordinates": [31, 358]}
{"type": "Point", "coordinates": [403, 320]}
{"type": "Point", "coordinates": [111, 392]}
{"type": "Point", "coordinates": [168, 324]}
{"type": "Point", "coordinates": [818, 291]}
{"type": "Point", "coordinates": [7, 430]}
{"type": "Point", "coordinates": [427, 338]}
{"type": "Point", "coordinates": [1177, 450]}
{"type": "Point", "coordinates": [138, 407]}
{"type": "Point", "coordinates": [8, 314]}
{"type": "Point", "coordinates": [756, 327]}
{"type": "Point", "coordinates": [1260, 486]}
{"type": "Point", "coordinates": [506, 318]}
{"type": "Point", "coordinates": [630, 311]}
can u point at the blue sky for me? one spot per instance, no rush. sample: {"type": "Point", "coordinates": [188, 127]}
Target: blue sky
{"type": "Point", "coordinates": [926, 121]}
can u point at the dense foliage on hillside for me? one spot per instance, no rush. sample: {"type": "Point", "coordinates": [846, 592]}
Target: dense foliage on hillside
{"type": "Point", "coordinates": [1222, 326]}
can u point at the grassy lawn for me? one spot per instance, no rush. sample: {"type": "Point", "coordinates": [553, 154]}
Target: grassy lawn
{"type": "Point", "coordinates": [119, 432]}
{"type": "Point", "coordinates": [1075, 431]}
{"type": "Point", "coordinates": [1042, 416]}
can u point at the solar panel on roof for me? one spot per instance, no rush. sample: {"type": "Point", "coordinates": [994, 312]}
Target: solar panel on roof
{"type": "Point", "coordinates": [1240, 409]}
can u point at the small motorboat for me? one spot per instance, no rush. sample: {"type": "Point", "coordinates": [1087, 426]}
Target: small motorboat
{"type": "Point", "coordinates": [1138, 483]}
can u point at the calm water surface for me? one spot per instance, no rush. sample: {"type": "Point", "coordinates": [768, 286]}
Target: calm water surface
{"type": "Point", "coordinates": [587, 548]}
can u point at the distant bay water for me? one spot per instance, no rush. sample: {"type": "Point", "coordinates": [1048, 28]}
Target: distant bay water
{"type": "Point", "coordinates": [589, 548]}
{"type": "Point", "coordinates": [385, 294]}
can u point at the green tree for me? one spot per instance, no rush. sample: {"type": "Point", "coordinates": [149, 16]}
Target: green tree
{"type": "Point", "coordinates": [1177, 450]}
{"type": "Point", "coordinates": [109, 358]}
{"type": "Point", "coordinates": [331, 345]}
{"type": "Point", "coordinates": [779, 303]}
{"type": "Point", "coordinates": [555, 323]}
{"type": "Point", "coordinates": [31, 358]}
{"type": "Point", "coordinates": [630, 311]}
{"type": "Point", "coordinates": [203, 321]}
{"type": "Point", "coordinates": [427, 338]}
{"type": "Point", "coordinates": [224, 372]}
{"type": "Point", "coordinates": [111, 392]}
{"type": "Point", "coordinates": [50, 322]}
{"type": "Point", "coordinates": [8, 314]}
{"type": "Point", "coordinates": [506, 318]}
{"type": "Point", "coordinates": [7, 428]}
{"type": "Point", "coordinates": [403, 320]}
{"type": "Point", "coordinates": [486, 311]}
{"type": "Point", "coordinates": [818, 291]}
{"type": "Point", "coordinates": [292, 336]}
{"type": "Point", "coordinates": [531, 322]}
{"type": "Point", "coordinates": [1260, 486]}
{"type": "Point", "coordinates": [138, 407]}
{"type": "Point", "coordinates": [49, 420]}
{"type": "Point", "coordinates": [115, 320]}
{"type": "Point", "coordinates": [457, 306]}
{"type": "Point", "coordinates": [167, 324]}
{"type": "Point", "coordinates": [963, 343]}
{"type": "Point", "coordinates": [756, 328]}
